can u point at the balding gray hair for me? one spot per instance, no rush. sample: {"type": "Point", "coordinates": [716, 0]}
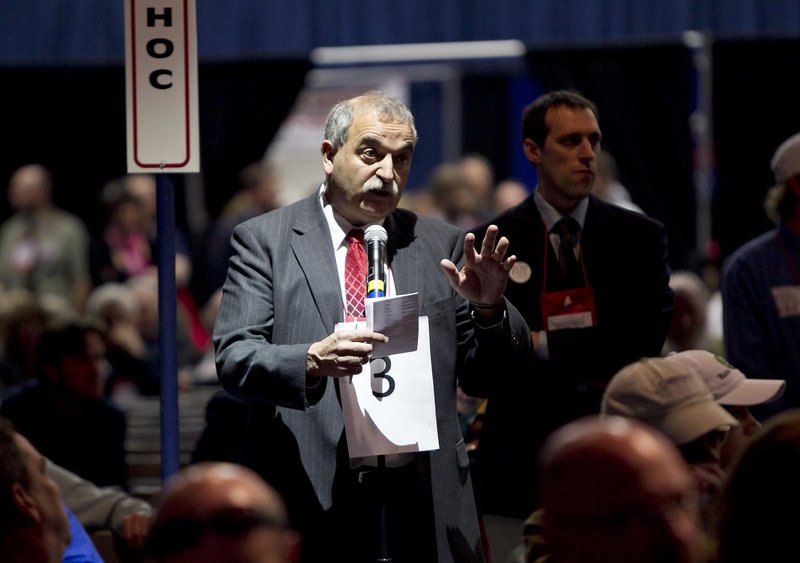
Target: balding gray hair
{"type": "Point", "coordinates": [388, 108]}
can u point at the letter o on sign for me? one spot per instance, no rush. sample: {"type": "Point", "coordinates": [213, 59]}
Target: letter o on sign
{"type": "Point", "coordinates": [160, 48]}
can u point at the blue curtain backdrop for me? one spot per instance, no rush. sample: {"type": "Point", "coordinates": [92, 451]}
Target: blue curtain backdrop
{"type": "Point", "coordinates": [91, 31]}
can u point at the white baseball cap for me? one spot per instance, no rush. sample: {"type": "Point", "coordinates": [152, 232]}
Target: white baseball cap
{"type": "Point", "coordinates": [667, 395]}
{"type": "Point", "coordinates": [729, 385]}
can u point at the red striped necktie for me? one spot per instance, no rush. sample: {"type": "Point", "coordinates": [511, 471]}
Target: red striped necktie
{"type": "Point", "coordinates": [355, 275]}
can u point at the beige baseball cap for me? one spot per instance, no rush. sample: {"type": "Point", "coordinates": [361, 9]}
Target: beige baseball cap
{"type": "Point", "coordinates": [667, 395]}
{"type": "Point", "coordinates": [728, 385]}
{"type": "Point", "coordinates": [786, 160]}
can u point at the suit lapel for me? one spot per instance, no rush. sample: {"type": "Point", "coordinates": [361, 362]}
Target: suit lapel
{"type": "Point", "coordinates": [404, 257]}
{"type": "Point", "coordinates": [312, 246]}
{"type": "Point", "coordinates": [529, 241]}
{"type": "Point", "coordinates": [594, 231]}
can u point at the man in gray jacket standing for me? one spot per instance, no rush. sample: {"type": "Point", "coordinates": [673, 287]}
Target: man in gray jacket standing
{"type": "Point", "coordinates": [277, 347]}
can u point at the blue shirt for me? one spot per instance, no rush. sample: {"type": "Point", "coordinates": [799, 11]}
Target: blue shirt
{"type": "Point", "coordinates": [760, 341]}
{"type": "Point", "coordinates": [80, 549]}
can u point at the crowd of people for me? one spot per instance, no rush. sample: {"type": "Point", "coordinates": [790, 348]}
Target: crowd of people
{"type": "Point", "coordinates": [586, 401]}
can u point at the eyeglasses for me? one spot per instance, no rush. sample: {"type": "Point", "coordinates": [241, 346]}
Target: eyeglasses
{"type": "Point", "coordinates": [179, 534]}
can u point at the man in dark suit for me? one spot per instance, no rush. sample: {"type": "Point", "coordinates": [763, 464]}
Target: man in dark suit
{"type": "Point", "coordinates": [277, 348]}
{"type": "Point", "coordinates": [596, 298]}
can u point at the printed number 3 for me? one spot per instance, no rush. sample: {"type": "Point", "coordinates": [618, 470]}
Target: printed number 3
{"type": "Point", "coordinates": [380, 370]}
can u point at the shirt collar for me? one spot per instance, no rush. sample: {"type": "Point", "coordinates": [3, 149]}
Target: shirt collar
{"type": "Point", "coordinates": [551, 216]}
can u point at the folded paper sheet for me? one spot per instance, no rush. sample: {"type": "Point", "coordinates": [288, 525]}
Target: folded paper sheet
{"type": "Point", "coordinates": [389, 407]}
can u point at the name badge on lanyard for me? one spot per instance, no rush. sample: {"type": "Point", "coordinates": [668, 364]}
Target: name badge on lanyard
{"type": "Point", "coordinates": [568, 308]}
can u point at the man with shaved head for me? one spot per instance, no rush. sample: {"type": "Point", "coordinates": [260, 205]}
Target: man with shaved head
{"type": "Point", "coordinates": [614, 490]}
{"type": "Point", "coordinates": [215, 511]}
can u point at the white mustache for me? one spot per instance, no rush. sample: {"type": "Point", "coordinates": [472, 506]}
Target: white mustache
{"type": "Point", "coordinates": [376, 184]}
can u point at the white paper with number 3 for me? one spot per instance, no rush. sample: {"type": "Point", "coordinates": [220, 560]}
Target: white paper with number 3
{"type": "Point", "coordinates": [404, 419]}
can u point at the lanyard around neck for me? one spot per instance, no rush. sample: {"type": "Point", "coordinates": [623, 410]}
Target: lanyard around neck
{"type": "Point", "coordinates": [544, 268]}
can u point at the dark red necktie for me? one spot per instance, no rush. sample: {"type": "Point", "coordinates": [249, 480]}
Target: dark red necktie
{"type": "Point", "coordinates": [567, 228]}
{"type": "Point", "coordinates": [355, 275]}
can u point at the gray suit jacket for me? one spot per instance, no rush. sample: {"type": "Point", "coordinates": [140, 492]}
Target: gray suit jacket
{"type": "Point", "coordinates": [283, 293]}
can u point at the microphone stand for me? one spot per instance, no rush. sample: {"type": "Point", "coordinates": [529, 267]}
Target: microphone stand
{"type": "Point", "coordinates": [383, 520]}
{"type": "Point", "coordinates": [376, 284]}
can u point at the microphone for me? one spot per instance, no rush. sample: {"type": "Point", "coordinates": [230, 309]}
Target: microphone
{"type": "Point", "coordinates": [375, 237]}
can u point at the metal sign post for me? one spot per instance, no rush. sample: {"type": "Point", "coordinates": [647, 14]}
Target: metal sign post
{"type": "Point", "coordinates": [162, 134]}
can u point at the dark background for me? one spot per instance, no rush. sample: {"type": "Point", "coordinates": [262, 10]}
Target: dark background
{"type": "Point", "coordinates": [72, 120]}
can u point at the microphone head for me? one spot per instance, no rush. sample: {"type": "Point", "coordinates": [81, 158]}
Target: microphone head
{"type": "Point", "coordinates": [375, 233]}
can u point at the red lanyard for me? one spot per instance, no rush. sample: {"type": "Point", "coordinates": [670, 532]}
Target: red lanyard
{"type": "Point", "coordinates": [580, 259]}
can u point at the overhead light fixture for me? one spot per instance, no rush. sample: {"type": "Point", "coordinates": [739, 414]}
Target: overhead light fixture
{"type": "Point", "coordinates": [414, 52]}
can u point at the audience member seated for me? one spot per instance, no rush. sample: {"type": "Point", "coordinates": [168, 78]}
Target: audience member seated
{"type": "Point", "coordinates": [754, 517]}
{"type": "Point", "coordinates": [212, 512]}
{"type": "Point", "coordinates": [477, 169]}
{"type": "Point", "coordinates": [143, 187]}
{"type": "Point", "coordinates": [607, 185]}
{"type": "Point", "coordinates": [63, 413]}
{"type": "Point", "coordinates": [735, 392]}
{"type": "Point", "coordinates": [453, 196]}
{"type": "Point", "coordinates": [688, 328]}
{"type": "Point", "coordinates": [33, 524]}
{"type": "Point", "coordinates": [23, 320]}
{"type": "Point", "coordinates": [258, 193]}
{"type": "Point", "coordinates": [145, 288]}
{"type": "Point", "coordinates": [672, 398]}
{"type": "Point", "coordinates": [81, 549]}
{"type": "Point", "coordinates": [420, 201]}
{"type": "Point", "coordinates": [508, 193]}
{"type": "Point", "coordinates": [116, 305]}
{"type": "Point", "coordinates": [614, 490]}
{"type": "Point", "coordinates": [43, 249]}
{"type": "Point", "coordinates": [104, 508]}
{"type": "Point", "coordinates": [122, 250]}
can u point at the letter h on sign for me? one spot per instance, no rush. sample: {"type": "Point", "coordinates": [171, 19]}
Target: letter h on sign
{"type": "Point", "coordinates": [160, 47]}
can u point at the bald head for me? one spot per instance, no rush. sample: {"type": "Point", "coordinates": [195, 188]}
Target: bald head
{"type": "Point", "coordinates": [221, 512]}
{"type": "Point", "coordinates": [614, 489]}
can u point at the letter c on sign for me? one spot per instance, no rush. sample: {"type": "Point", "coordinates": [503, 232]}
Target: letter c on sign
{"type": "Point", "coordinates": [156, 83]}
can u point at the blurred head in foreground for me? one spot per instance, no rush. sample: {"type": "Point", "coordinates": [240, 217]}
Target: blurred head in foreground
{"type": "Point", "coordinates": [616, 490]}
{"type": "Point", "coordinates": [221, 512]}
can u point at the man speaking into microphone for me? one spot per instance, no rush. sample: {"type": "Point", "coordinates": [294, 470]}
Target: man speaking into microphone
{"type": "Point", "coordinates": [277, 347]}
